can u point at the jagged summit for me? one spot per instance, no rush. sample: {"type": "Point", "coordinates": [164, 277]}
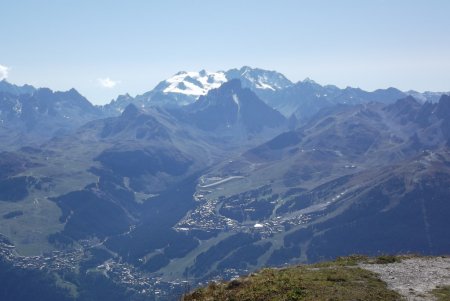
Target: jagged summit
{"type": "Point", "coordinates": [259, 79]}
{"type": "Point", "coordinates": [308, 81]}
{"type": "Point", "coordinates": [444, 106]}
{"type": "Point", "coordinates": [130, 111]}
{"type": "Point", "coordinates": [7, 87]}
{"type": "Point", "coordinates": [402, 105]}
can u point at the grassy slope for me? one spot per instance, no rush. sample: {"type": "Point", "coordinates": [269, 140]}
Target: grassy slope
{"type": "Point", "coordinates": [442, 293]}
{"type": "Point", "coordinates": [29, 232]}
{"type": "Point", "coordinates": [338, 280]}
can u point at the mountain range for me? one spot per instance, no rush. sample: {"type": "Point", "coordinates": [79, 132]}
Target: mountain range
{"type": "Point", "coordinates": [270, 86]}
{"type": "Point", "coordinates": [23, 107]}
{"type": "Point", "coordinates": [211, 175]}
{"type": "Point", "coordinates": [31, 116]}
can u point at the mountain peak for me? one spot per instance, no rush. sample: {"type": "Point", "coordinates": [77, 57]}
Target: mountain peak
{"type": "Point", "coordinates": [124, 96]}
{"type": "Point", "coordinates": [192, 83]}
{"type": "Point", "coordinates": [224, 92]}
{"type": "Point", "coordinates": [130, 111]}
{"type": "Point", "coordinates": [7, 87]}
{"type": "Point", "coordinates": [247, 69]}
{"type": "Point", "coordinates": [234, 106]}
{"type": "Point", "coordinates": [308, 81]}
{"type": "Point", "coordinates": [232, 84]}
{"type": "Point", "coordinates": [445, 99]}
{"type": "Point", "coordinates": [408, 100]}
{"type": "Point", "coordinates": [259, 79]}
{"type": "Point", "coordinates": [404, 106]}
{"type": "Point", "coordinates": [443, 107]}
{"type": "Point", "coordinates": [74, 93]}
{"type": "Point", "coordinates": [44, 92]}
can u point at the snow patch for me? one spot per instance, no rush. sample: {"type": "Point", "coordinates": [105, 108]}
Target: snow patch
{"type": "Point", "coordinates": [18, 108]}
{"type": "Point", "coordinates": [194, 83]}
{"type": "Point", "coordinates": [236, 101]}
{"type": "Point", "coordinates": [264, 86]}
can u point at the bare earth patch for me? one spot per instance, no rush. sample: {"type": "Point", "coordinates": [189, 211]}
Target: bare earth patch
{"type": "Point", "coordinates": [414, 278]}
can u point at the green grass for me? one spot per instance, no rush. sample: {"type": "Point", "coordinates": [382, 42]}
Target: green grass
{"type": "Point", "coordinates": [442, 293]}
{"type": "Point", "coordinates": [385, 259]}
{"type": "Point", "coordinates": [351, 260]}
{"type": "Point", "coordinates": [29, 232]}
{"type": "Point", "coordinates": [338, 280]}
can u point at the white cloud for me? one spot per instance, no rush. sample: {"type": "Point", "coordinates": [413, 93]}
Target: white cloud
{"type": "Point", "coordinates": [107, 82]}
{"type": "Point", "coordinates": [3, 72]}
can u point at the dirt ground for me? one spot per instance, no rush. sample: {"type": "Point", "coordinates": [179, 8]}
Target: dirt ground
{"type": "Point", "coordinates": [414, 278]}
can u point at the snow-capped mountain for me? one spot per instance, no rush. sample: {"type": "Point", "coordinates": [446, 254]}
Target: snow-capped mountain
{"type": "Point", "coordinates": [259, 79]}
{"type": "Point", "coordinates": [427, 95]}
{"type": "Point", "coordinates": [185, 88]}
{"type": "Point", "coordinates": [193, 84]}
{"type": "Point", "coordinates": [181, 89]}
{"type": "Point", "coordinates": [303, 98]}
{"type": "Point", "coordinates": [199, 83]}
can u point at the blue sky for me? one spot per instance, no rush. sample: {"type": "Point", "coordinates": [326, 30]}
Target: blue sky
{"type": "Point", "coordinates": [105, 48]}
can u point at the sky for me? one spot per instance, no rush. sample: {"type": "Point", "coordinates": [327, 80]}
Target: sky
{"type": "Point", "coordinates": [106, 48]}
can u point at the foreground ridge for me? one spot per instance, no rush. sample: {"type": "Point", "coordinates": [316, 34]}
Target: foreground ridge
{"type": "Point", "coordinates": [347, 278]}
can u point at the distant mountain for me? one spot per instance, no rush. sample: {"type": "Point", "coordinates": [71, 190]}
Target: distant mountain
{"type": "Point", "coordinates": [369, 134]}
{"type": "Point", "coordinates": [14, 89]}
{"type": "Point", "coordinates": [231, 106]}
{"type": "Point", "coordinates": [33, 118]}
{"type": "Point", "coordinates": [194, 84]}
{"type": "Point", "coordinates": [303, 99]}
{"type": "Point", "coordinates": [427, 95]}
{"type": "Point", "coordinates": [118, 105]}
{"type": "Point", "coordinates": [138, 143]}
{"type": "Point", "coordinates": [259, 79]}
{"type": "Point", "coordinates": [186, 87]}
{"type": "Point", "coordinates": [181, 89]}
{"type": "Point", "coordinates": [306, 98]}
